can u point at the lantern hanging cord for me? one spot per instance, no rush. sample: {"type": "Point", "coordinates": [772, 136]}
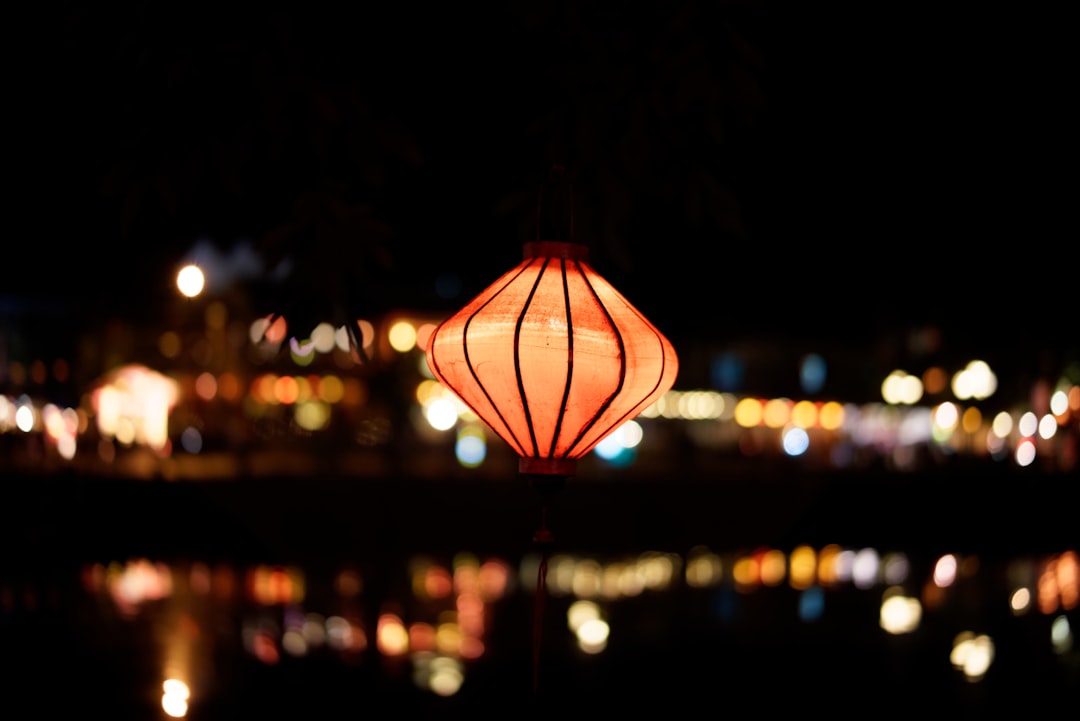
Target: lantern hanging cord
{"type": "Point", "coordinates": [555, 219]}
{"type": "Point", "coordinates": [543, 538]}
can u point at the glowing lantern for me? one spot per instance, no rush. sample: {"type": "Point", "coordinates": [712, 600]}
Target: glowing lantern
{"type": "Point", "coordinates": [552, 357]}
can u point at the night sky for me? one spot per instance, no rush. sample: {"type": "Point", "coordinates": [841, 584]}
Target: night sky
{"type": "Point", "coordinates": [714, 147]}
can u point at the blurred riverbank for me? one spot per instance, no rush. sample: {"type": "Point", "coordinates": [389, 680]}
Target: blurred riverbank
{"type": "Point", "coordinates": [101, 591]}
{"type": "Point", "coordinates": [967, 507]}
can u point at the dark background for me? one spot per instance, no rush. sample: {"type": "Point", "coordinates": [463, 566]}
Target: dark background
{"type": "Point", "coordinates": [717, 149]}
{"type": "Point", "coordinates": [713, 148]}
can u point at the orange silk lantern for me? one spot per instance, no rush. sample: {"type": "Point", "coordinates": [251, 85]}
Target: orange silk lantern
{"type": "Point", "coordinates": [552, 357]}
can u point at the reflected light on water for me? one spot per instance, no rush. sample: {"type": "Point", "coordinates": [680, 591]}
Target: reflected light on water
{"type": "Point", "coordinates": [1061, 635]}
{"type": "Point", "coordinates": [439, 646]}
{"type": "Point", "coordinates": [437, 582]}
{"type": "Point", "coordinates": [470, 614]}
{"type": "Point", "coordinates": [260, 639]}
{"type": "Point", "coordinates": [585, 619]}
{"type": "Point", "coordinates": [811, 604]}
{"type": "Point", "coordinates": [899, 613]}
{"type": "Point", "coordinates": [343, 634]}
{"type": "Point", "coordinates": [313, 630]}
{"type": "Point", "coordinates": [421, 636]}
{"type": "Point", "coordinates": [592, 635]}
{"type": "Point", "coordinates": [391, 636]}
{"type": "Point", "coordinates": [1058, 585]}
{"type": "Point", "coordinates": [174, 698]}
{"type": "Point", "coordinates": [348, 583]}
{"type": "Point", "coordinates": [972, 654]}
{"type": "Point", "coordinates": [472, 648]}
{"type": "Point", "coordinates": [581, 611]}
{"type": "Point", "coordinates": [466, 574]}
{"type": "Point", "coordinates": [1068, 572]}
{"type": "Point", "coordinates": [448, 635]}
{"type": "Point", "coordinates": [443, 675]}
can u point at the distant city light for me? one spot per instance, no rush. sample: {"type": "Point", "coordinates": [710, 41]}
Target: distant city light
{"type": "Point", "coordinates": [623, 439]}
{"type": "Point", "coordinates": [812, 373]}
{"type": "Point", "coordinates": [441, 413]}
{"type": "Point", "coordinates": [796, 441]}
{"type": "Point", "coordinates": [190, 280]}
{"type": "Point", "coordinates": [899, 387]}
{"type": "Point", "coordinates": [402, 336]}
{"type": "Point", "coordinates": [1061, 635]}
{"type": "Point", "coordinates": [975, 381]}
{"type": "Point", "coordinates": [972, 654]}
{"type": "Point", "coordinates": [471, 446]}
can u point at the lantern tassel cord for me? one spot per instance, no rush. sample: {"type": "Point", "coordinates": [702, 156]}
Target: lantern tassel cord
{"type": "Point", "coordinates": [543, 538]}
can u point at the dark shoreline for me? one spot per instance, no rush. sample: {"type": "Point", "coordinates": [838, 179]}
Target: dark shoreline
{"type": "Point", "coordinates": [983, 510]}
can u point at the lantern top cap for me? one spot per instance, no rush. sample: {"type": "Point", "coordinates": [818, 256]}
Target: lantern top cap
{"type": "Point", "coordinates": [555, 249]}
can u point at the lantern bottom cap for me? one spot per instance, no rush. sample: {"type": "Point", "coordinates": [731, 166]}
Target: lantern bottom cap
{"type": "Point", "coordinates": [548, 466]}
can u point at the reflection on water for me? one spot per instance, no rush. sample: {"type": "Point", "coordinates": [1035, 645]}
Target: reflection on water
{"type": "Point", "coordinates": [817, 627]}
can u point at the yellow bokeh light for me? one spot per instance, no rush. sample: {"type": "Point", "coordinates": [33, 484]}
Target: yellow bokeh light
{"type": "Point", "coordinates": [971, 419]}
{"type": "Point", "coordinates": [804, 414]}
{"type": "Point", "coordinates": [831, 416]}
{"type": "Point", "coordinates": [331, 389]}
{"type": "Point", "coordinates": [402, 336]}
{"type": "Point", "coordinates": [749, 412]}
{"type": "Point", "coordinates": [803, 567]}
{"type": "Point", "coordinates": [777, 412]}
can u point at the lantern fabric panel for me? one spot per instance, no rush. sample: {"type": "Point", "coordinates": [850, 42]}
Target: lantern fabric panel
{"type": "Point", "coordinates": [648, 373]}
{"type": "Point", "coordinates": [481, 372]}
{"type": "Point", "coordinates": [566, 351]}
